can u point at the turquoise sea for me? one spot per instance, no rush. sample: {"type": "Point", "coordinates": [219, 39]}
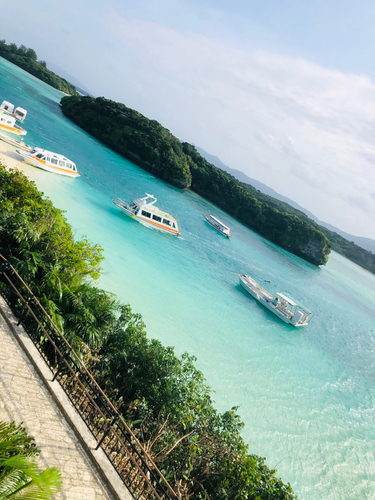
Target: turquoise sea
{"type": "Point", "coordinates": [306, 395]}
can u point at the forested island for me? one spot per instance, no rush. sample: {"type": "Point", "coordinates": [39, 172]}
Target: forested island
{"type": "Point", "coordinates": [148, 144]}
{"type": "Point", "coordinates": [27, 59]}
{"type": "Point", "coordinates": [339, 244]}
{"type": "Point", "coordinates": [164, 398]}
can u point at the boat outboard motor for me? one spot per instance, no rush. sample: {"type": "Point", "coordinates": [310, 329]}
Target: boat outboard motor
{"type": "Point", "coordinates": [20, 114]}
{"type": "Point", "coordinates": [298, 315]}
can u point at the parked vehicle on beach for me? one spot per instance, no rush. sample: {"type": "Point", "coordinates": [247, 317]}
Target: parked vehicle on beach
{"type": "Point", "coordinates": [218, 225]}
{"type": "Point", "coordinates": [144, 211]}
{"type": "Point", "coordinates": [47, 160]}
{"type": "Point", "coordinates": [285, 308]}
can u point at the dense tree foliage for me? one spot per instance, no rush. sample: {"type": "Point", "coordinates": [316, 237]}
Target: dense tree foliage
{"type": "Point", "coordinates": [143, 141]}
{"type": "Point", "coordinates": [154, 148]}
{"type": "Point", "coordinates": [164, 398]}
{"type": "Point", "coordinates": [339, 244]}
{"type": "Point", "coordinates": [350, 250]}
{"type": "Point", "coordinates": [27, 59]}
{"type": "Point", "coordinates": [20, 478]}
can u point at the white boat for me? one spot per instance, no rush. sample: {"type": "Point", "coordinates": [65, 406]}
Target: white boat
{"type": "Point", "coordinates": [285, 308]}
{"type": "Point", "coordinates": [8, 125]}
{"type": "Point", "coordinates": [8, 109]}
{"type": "Point", "coordinates": [144, 211]}
{"type": "Point", "coordinates": [218, 225]}
{"type": "Point", "coordinates": [20, 144]}
{"type": "Point", "coordinates": [47, 160]}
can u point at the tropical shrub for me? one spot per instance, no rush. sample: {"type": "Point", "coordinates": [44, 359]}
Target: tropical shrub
{"type": "Point", "coordinates": [20, 478]}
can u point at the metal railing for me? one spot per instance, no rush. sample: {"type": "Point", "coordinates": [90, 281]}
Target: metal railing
{"type": "Point", "coordinates": [131, 461]}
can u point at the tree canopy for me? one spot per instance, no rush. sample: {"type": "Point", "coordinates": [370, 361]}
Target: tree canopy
{"type": "Point", "coordinates": [20, 478]}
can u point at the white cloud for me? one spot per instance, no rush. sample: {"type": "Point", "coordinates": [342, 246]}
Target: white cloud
{"type": "Point", "coordinates": [305, 130]}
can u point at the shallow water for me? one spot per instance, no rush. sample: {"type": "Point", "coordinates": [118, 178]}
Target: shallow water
{"type": "Point", "coordinates": [306, 395]}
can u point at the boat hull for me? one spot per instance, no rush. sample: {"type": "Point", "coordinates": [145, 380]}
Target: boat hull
{"type": "Point", "coordinates": [5, 129]}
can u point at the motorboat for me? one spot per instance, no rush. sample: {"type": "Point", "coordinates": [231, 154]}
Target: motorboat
{"type": "Point", "coordinates": [8, 125]}
{"type": "Point", "coordinates": [144, 211]}
{"type": "Point", "coordinates": [7, 108]}
{"type": "Point", "coordinates": [20, 144]}
{"type": "Point", "coordinates": [285, 308]}
{"type": "Point", "coordinates": [47, 160]}
{"type": "Point", "coordinates": [218, 225]}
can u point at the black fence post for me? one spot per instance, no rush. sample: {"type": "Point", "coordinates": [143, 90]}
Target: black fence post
{"type": "Point", "coordinates": [106, 433]}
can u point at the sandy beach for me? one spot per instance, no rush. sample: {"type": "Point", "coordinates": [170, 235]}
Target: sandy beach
{"type": "Point", "coordinates": [9, 157]}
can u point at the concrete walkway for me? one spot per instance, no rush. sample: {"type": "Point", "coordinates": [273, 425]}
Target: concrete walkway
{"type": "Point", "coordinates": [25, 398]}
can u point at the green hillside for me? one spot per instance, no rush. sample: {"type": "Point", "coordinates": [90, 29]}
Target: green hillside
{"type": "Point", "coordinates": [27, 60]}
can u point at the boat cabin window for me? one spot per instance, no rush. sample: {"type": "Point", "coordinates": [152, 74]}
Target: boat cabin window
{"type": "Point", "coordinates": [40, 155]}
{"type": "Point", "coordinates": [48, 158]}
{"type": "Point", "coordinates": [156, 217]}
{"type": "Point", "coordinates": [53, 161]}
{"type": "Point", "coordinates": [74, 168]}
{"type": "Point", "coordinates": [146, 214]}
{"type": "Point", "coordinates": [62, 163]}
{"type": "Point", "coordinates": [173, 225]}
{"type": "Point", "coordinates": [9, 122]}
{"type": "Point", "coordinates": [166, 222]}
{"type": "Point", "coordinates": [69, 165]}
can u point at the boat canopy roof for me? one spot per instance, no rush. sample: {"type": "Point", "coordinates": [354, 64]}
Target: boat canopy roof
{"type": "Point", "coordinates": [219, 222]}
{"type": "Point", "coordinates": [293, 302]}
{"type": "Point", "coordinates": [7, 106]}
{"type": "Point", "coordinates": [50, 154]}
{"type": "Point", "coordinates": [149, 205]}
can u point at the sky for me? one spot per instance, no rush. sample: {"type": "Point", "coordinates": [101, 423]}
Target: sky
{"type": "Point", "coordinates": [283, 90]}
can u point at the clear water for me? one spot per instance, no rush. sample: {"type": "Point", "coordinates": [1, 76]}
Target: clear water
{"type": "Point", "coordinates": [305, 395]}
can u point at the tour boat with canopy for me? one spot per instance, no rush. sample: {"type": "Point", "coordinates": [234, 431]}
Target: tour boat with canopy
{"type": "Point", "coordinates": [287, 309]}
{"type": "Point", "coordinates": [144, 211]}
{"type": "Point", "coordinates": [218, 225]}
{"type": "Point", "coordinates": [52, 162]}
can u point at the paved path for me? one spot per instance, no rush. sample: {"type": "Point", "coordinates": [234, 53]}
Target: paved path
{"type": "Point", "coordinates": [24, 398]}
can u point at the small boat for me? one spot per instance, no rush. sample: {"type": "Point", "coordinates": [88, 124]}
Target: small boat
{"type": "Point", "coordinates": [8, 125]}
{"type": "Point", "coordinates": [18, 144]}
{"type": "Point", "coordinates": [285, 308]}
{"type": "Point", "coordinates": [218, 225]}
{"type": "Point", "coordinates": [47, 160]}
{"type": "Point", "coordinates": [8, 109]}
{"type": "Point", "coordinates": [144, 211]}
